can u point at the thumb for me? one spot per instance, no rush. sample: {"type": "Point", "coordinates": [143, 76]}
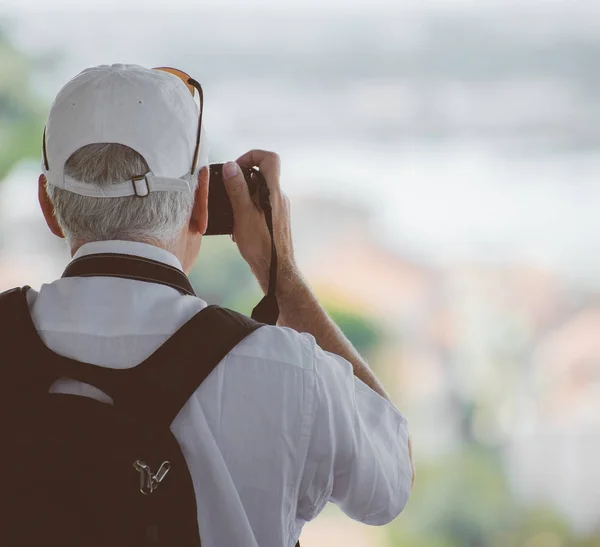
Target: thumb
{"type": "Point", "coordinates": [236, 187]}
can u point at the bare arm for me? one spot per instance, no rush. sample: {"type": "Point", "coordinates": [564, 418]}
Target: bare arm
{"type": "Point", "coordinates": [301, 311]}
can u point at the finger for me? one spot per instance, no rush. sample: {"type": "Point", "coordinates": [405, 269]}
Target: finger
{"type": "Point", "coordinates": [236, 187]}
{"type": "Point", "coordinates": [268, 163]}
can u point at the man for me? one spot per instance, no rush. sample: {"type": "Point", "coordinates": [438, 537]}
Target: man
{"type": "Point", "coordinates": [292, 417]}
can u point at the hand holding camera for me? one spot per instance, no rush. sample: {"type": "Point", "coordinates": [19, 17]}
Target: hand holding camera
{"type": "Point", "coordinates": [242, 185]}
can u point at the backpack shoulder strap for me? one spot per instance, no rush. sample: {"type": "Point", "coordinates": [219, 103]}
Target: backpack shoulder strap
{"type": "Point", "coordinates": [169, 377]}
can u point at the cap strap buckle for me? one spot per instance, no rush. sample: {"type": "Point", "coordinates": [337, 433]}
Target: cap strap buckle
{"type": "Point", "coordinates": [140, 190]}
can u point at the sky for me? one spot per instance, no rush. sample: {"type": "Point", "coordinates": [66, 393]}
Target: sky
{"type": "Point", "coordinates": [252, 5]}
{"type": "Point", "coordinates": [321, 5]}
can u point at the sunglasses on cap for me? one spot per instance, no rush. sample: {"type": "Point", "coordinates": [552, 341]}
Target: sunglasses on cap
{"type": "Point", "coordinates": [192, 86]}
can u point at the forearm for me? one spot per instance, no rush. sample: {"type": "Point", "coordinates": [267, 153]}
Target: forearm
{"type": "Point", "coordinates": [300, 310]}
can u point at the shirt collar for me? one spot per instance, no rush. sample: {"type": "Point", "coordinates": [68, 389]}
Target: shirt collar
{"type": "Point", "coordinates": [134, 248]}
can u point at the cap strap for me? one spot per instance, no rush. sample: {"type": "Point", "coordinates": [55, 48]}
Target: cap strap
{"type": "Point", "coordinates": [138, 186]}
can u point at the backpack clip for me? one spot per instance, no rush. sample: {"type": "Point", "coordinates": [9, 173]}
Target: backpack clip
{"type": "Point", "coordinates": [148, 481]}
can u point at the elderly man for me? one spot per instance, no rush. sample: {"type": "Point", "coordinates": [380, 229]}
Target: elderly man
{"type": "Point", "coordinates": [292, 417]}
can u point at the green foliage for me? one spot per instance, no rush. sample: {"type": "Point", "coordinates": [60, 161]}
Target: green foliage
{"type": "Point", "coordinates": [221, 276]}
{"type": "Point", "coordinates": [463, 500]}
{"type": "Point", "coordinates": [364, 333]}
{"type": "Point", "coordinates": [21, 114]}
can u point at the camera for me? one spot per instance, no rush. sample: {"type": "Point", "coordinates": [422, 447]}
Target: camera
{"type": "Point", "coordinates": [220, 213]}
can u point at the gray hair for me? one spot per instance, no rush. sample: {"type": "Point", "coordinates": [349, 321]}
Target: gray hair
{"type": "Point", "coordinates": [156, 218]}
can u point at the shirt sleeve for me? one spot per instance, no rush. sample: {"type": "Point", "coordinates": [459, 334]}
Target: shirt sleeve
{"type": "Point", "coordinates": [357, 455]}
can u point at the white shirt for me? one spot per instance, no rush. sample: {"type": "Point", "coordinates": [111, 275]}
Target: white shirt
{"type": "Point", "coordinates": [278, 429]}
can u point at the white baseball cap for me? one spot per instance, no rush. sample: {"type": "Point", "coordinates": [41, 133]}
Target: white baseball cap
{"type": "Point", "coordinates": [152, 111]}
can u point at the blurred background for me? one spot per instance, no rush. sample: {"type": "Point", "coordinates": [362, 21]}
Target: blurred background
{"type": "Point", "coordinates": [442, 160]}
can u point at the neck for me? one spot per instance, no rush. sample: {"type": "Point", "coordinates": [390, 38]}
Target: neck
{"type": "Point", "coordinates": [77, 245]}
{"type": "Point", "coordinates": [179, 249]}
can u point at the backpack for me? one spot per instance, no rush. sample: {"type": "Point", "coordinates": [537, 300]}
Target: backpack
{"type": "Point", "coordinates": [77, 471]}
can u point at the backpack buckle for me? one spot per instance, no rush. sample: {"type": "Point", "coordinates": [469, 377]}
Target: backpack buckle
{"type": "Point", "coordinates": [148, 481]}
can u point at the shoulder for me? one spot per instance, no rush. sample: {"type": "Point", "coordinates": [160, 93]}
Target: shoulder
{"type": "Point", "coordinates": [280, 345]}
{"type": "Point", "coordinates": [294, 350]}
{"type": "Point", "coordinates": [281, 352]}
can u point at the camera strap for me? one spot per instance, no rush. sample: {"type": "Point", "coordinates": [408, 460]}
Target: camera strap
{"type": "Point", "coordinates": [151, 271]}
{"type": "Point", "coordinates": [267, 310]}
{"type": "Point", "coordinates": [130, 267]}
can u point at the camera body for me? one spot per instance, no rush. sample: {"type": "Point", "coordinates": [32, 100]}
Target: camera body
{"type": "Point", "coordinates": [220, 213]}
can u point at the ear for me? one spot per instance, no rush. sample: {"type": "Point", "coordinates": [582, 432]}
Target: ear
{"type": "Point", "coordinates": [199, 218]}
{"type": "Point", "coordinates": [48, 208]}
